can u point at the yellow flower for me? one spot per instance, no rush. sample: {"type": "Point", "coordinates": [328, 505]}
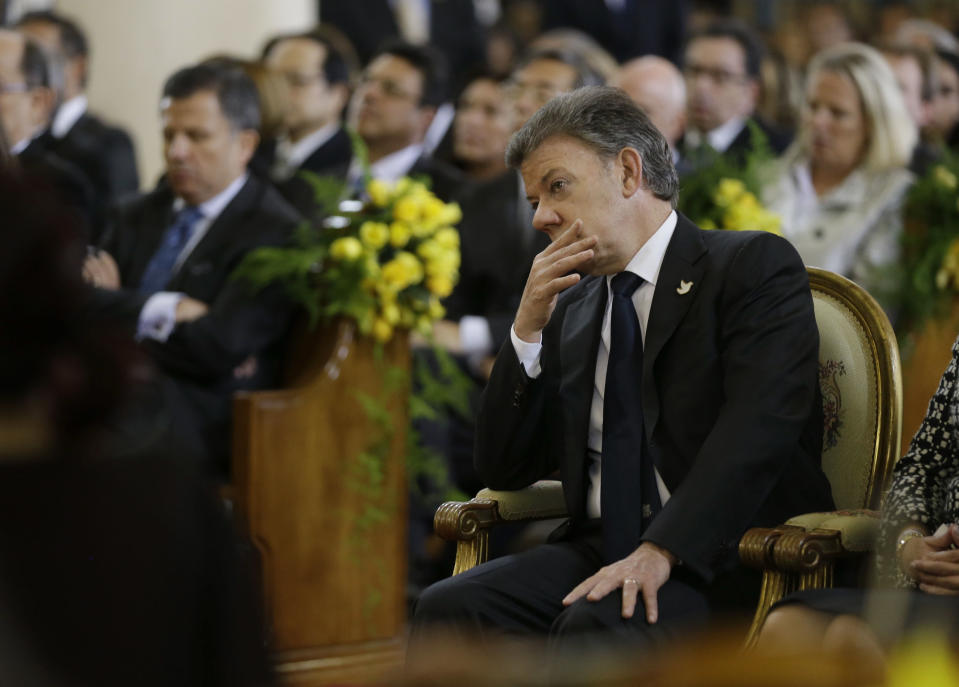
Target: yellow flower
{"type": "Point", "coordinates": [727, 191]}
{"type": "Point", "coordinates": [399, 234]}
{"type": "Point", "coordinates": [346, 248]}
{"type": "Point", "coordinates": [382, 330]}
{"type": "Point", "coordinates": [944, 177]}
{"type": "Point", "coordinates": [374, 234]}
{"type": "Point", "coordinates": [440, 285]}
{"type": "Point", "coordinates": [436, 309]}
{"type": "Point", "coordinates": [451, 214]}
{"type": "Point", "coordinates": [379, 192]}
{"type": "Point", "coordinates": [923, 658]}
{"type": "Point", "coordinates": [408, 209]}
{"type": "Point", "coordinates": [404, 269]}
{"type": "Point", "coordinates": [429, 250]}
{"type": "Point", "coordinates": [448, 238]}
{"type": "Point", "coordinates": [433, 210]}
{"type": "Point", "coordinates": [424, 325]}
{"type": "Point", "coordinates": [444, 264]}
{"type": "Point", "coordinates": [391, 313]}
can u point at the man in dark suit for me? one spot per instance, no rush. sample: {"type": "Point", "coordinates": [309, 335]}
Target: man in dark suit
{"type": "Point", "coordinates": [627, 28]}
{"type": "Point", "coordinates": [168, 256]}
{"type": "Point", "coordinates": [318, 80]}
{"type": "Point", "coordinates": [391, 110]}
{"type": "Point", "coordinates": [448, 25]}
{"type": "Point", "coordinates": [104, 153]}
{"type": "Point", "coordinates": [721, 66]}
{"type": "Point", "coordinates": [669, 374]}
{"type": "Point", "coordinates": [25, 113]}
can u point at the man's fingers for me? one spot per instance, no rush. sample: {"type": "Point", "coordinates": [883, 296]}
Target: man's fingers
{"type": "Point", "coordinates": [564, 239]}
{"type": "Point", "coordinates": [949, 555]}
{"type": "Point", "coordinates": [580, 590]}
{"type": "Point", "coordinates": [935, 567]}
{"type": "Point", "coordinates": [950, 581]}
{"type": "Point", "coordinates": [630, 592]}
{"type": "Point", "coordinates": [652, 604]}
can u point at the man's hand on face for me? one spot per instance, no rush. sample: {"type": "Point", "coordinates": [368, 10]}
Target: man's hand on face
{"type": "Point", "coordinates": [644, 570]}
{"type": "Point", "coordinates": [553, 271]}
{"type": "Point", "coordinates": [100, 270]}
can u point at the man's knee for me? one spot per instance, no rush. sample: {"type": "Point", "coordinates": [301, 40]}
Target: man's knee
{"type": "Point", "coordinates": [585, 617]}
{"type": "Point", "coordinates": [443, 601]}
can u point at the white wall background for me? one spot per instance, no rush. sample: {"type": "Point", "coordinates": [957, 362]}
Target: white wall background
{"type": "Point", "coordinates": [136, 44]}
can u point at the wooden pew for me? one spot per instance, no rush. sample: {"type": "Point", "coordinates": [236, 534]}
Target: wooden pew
{"type": "Point", "coordinates": [334, 574]}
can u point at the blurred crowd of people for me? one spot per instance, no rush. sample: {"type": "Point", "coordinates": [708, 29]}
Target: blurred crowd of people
{"type": "Point", "coordinates": [434, 89]}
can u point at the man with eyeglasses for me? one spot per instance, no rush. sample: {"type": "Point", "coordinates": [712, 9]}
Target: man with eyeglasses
{"type": "Point", "coordinates": [314, 138]}
{"type": "Point", "coordinates": [721, 67]}
{"type": "Point", "coordinates": [391, 109]}
{"type": "Point", "coordinates": [26, 108]}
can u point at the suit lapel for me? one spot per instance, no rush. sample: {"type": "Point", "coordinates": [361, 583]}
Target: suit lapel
{"type": "Point", "coordinates": [682, 270]}
{"type": "Point", "coordinates": [579, 342]}
{"type": "Point", "coordinates": [208, 251]}
{"type": "Point", "coordinates": [157, 218]}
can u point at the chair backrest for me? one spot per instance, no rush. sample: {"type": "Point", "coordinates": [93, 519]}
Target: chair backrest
{"type": "Point", "coordinates": [861, 381]}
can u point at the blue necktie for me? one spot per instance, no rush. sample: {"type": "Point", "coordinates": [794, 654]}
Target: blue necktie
{"type": "Point", "coordinates": [160, 268]}
{"type": "Point", "coordinates": [629, 498]}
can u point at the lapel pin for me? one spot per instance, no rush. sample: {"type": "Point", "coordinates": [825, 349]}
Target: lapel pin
{"type": "Point", "coordinates": [684, 287]}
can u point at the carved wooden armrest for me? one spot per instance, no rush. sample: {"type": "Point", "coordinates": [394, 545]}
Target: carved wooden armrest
{"type": "Point", "coordinates": [801, 554]}
{"type": "Point", "coordinates": [468, 522]}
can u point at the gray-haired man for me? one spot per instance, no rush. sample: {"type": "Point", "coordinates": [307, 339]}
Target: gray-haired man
{"type": "Point", "coordinates": [669, 374]}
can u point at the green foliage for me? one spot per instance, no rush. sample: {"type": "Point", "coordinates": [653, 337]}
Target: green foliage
{"type": "Point", "coordinates": [698, 190]}
{"type": "Point", "coordinates": [928, 274]}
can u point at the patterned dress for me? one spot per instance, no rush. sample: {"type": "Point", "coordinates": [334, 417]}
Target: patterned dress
{"type": "Point", "coordinates": [925, 484]}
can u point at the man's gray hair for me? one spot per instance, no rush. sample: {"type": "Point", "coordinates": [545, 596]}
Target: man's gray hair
{"type": "Point", "coordinates": [606, 120]}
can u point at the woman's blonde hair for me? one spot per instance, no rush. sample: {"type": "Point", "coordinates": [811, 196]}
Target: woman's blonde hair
{"type": "Point", "coordinates": [891, 134]}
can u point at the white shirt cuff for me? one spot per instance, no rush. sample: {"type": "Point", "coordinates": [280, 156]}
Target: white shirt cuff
{"type": "Point", "coordinates": [475, 336]}
{"type": "Point", "coordinates": [528, 353]}
{"type": "Point", "coordinates": [158, 316]}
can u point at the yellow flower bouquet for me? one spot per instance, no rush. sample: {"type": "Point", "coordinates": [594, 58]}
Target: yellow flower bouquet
{"type": "Point", "coordinates": [723, 193]}
{"type": "Point", "coordinates": [385, 262]}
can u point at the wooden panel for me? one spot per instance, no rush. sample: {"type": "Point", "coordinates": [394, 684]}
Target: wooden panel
{"type": "Point", "coordinates": [334, 580]}
{"type": "Point", "coordinates": [925, 357]}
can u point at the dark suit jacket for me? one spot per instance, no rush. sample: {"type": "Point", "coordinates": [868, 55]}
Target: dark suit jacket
{"type": "Point", "coordinates": [105, 155]}
{"type": "Point", "coordinates": [68, 182]}
{"type": "Point", "coordinates": [336, 151]}
{"type": "Point", "coordinates": [731, 399]}
{"type": "Point", "coordinates": [200, 356]}
{"type": "Point", "coordinates": [454, 30]}
{"type": "Point", "coordinates": [497, 245]}
{"type": "Point", "coordinates": [646, 27]}
{"type": "Point", "coordinates": [737, 151]}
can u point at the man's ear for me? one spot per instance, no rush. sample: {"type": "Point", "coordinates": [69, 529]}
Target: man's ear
{"type": "Point", "coordinates": [631, 165]}
{"type": "Point", "coordinates": [249, 139]}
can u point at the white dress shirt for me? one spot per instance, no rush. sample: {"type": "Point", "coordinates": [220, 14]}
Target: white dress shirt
{"type": "Point", "coordinates": [67, 115]}
{"type": "Point", "coordinates": [291, 156]}
{"type": "Point", "coordinates": [390, 168]}
{"type": "Point", "coordinates": [158, 315]}
{"type": "Point", "coordinates": [720, 138]}
{"type": "Point", "coordinates": [646, 263]}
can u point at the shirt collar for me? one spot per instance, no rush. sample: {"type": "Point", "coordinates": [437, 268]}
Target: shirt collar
{"type": "Point", "coordinates": [719, 138]}
{"type": "Point", "coordinates": [393, 166]}
{"type": "Point", "coordinates": [211, 209]}
{"type": "Point", "coordinates": [649, 259]}
{"type": "Point", "coordinates": [295, 154]}
{"type": "Point", "coordinates": [67, 115]}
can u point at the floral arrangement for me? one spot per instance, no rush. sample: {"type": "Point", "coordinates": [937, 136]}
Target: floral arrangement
{"type": "Point", "coordinates": [723, 193]}
{"type": "Point", "coordinates": [929, 278]}
{"type": "Point", "coordinates": [385, 262]}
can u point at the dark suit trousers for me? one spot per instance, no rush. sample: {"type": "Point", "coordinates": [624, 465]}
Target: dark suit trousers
{"type": "Point", "coordinates": [521, 596]}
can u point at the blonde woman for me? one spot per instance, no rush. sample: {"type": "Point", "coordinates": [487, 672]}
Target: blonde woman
{"type": "Point", "coordinates": [839, 188]}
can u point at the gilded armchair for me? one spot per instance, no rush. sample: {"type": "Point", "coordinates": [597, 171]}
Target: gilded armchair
{"type": "Point", "coordinates": [862, 398]}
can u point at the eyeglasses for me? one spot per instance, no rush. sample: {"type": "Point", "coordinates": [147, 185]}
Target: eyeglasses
{"type": "Point", "coordinates": [542, 93]}
{"type": "Point", "coordinates": [389, 88]}
{"type": "Point", "coordinates": [298, 80]}
{"type": "Point", "coordinates": [720, 77]}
